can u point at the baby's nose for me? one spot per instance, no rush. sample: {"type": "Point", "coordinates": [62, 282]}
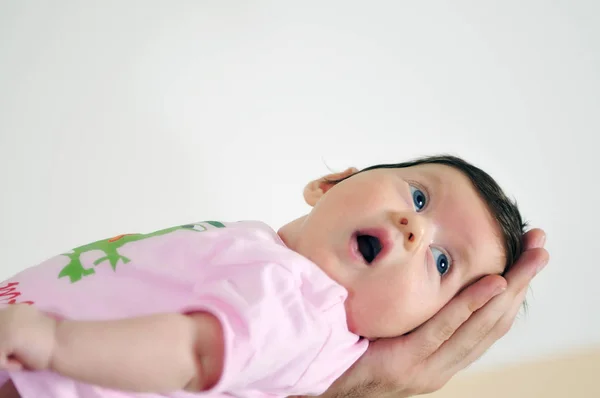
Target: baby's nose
{"type": "Point", "coordinates": [412, 228]}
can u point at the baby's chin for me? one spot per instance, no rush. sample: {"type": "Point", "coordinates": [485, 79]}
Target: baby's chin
{"type": "Point", "coordinates": [374, 330]}
{"type": "Point", "coordinates": [387, 335]}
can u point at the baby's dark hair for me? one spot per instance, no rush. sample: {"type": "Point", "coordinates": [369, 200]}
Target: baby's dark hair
{"type": "Point", "coordinates": [502, 209]}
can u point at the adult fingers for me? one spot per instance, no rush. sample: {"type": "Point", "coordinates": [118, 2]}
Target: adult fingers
{"type": "Point", "coordinates": [427, 339]}
{"type": "Point", "coordinates": [498, 331]}
{"type": "Point", "coordinates": [527, 267]}
{"type": "Point", "coordinates": [472, 332]}
{"type": "Point", "coordinates": [534, 239]}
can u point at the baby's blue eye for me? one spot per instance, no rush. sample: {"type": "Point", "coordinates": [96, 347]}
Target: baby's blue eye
{"type": "Point", "coordinates": [419, 198]}
{"type": "Point", "coordinates": [441, 261]}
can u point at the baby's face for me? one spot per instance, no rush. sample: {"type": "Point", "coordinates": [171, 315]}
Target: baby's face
{"type": "Point", "coordinates": [403, 242]}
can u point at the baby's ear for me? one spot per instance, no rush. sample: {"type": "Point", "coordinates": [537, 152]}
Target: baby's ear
{"type": "Point", "coordinates": [315, 190]}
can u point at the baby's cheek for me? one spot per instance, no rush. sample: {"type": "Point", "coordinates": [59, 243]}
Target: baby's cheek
{"type": "Point", "coordinates": [422, 309]}
{"type": "Point", "coordinates": [358, 311]}
{"type": "Point", "coordinates": [375, 313]}
{"type": "Point", "coordinates": [354, 326]}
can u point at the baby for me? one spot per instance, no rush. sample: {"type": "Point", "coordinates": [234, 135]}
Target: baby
{"type": "Point", "coordinates": [234, 309]}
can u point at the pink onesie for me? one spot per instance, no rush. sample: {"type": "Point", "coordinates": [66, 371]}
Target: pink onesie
{"type": "Point", "coordinates": [283, 317]}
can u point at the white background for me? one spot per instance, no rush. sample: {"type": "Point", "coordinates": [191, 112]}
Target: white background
{"type": "Point", "coordinates": [131, 116]}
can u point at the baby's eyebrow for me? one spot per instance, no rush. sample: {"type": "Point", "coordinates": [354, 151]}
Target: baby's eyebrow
{"type": "Point", "coordinates": [463, 258]}
{"type": "Point", "coordinates": [432, 177]}
{"type": "Point", "coordinates": [465, 254]}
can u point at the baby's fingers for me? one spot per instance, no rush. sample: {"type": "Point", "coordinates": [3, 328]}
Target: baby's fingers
{"type": "Point", "coordinates": [13, 365]}
{"type": "Point", "coordinates": [9, 363]}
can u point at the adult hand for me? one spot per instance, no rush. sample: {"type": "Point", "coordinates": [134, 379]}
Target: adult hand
{"type": "Point", "coordinates": [426, 359]}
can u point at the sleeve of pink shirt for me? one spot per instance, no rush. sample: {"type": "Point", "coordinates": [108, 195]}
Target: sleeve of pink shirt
{"type": "Point", "coordinates": [284, 327]}
{"type": "Point", "coordinates": [284, 320]}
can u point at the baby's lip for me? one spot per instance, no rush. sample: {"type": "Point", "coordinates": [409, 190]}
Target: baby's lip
{"type": "Point", "coordinates": [384, 236]}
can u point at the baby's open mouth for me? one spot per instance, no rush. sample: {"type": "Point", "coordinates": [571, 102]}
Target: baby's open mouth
{"type": "Point", "coordinates": [369, 247]}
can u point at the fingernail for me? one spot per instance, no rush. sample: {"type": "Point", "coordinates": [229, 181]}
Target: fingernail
{"type": "Point", "coordinates": [541, 266]}
{"type": "Point", "coordinates": [499, 290]}
{"type": "Point", "coordinates": [543, 240]}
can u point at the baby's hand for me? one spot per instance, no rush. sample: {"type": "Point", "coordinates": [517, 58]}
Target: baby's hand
{"type": "Point", "coordinates": [26, 338]}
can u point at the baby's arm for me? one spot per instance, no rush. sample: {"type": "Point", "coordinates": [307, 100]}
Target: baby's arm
{"type": "Point", "coordinates": [155, 353]}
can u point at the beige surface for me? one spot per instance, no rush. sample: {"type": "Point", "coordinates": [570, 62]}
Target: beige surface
{"type": "Point", "coordinates": [576, 375]}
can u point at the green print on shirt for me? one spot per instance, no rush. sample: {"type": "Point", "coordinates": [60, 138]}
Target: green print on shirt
{"type": "Point", "coordinates": [75, 271]}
